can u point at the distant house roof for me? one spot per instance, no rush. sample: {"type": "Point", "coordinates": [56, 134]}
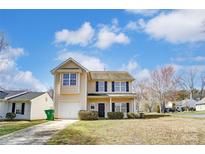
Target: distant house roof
{"type": "Point", "coordinates": [187, 102]}
{"type": "Point", "coordinates": [202, 101]}
{"type": "Point", "coordinates": [10, 93]}
{"type": "Point", "coordinates": [111, 75]}
{"type": "Point", "coordinates": [26, 96]}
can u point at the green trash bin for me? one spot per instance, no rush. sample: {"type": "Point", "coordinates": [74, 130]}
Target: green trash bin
{"type": "Point", "coordinates": [50, 114]}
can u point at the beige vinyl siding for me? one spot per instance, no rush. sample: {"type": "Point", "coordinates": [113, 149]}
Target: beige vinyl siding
{"type": "Point", "coordinates": [39, 105]}
{"type": "Point", "coordinates": [106, 101]}
{"type": "Point", "coordinates": [69, 96]}
{"type": "Point", "coordinates": [92, 86]}
{"type": "Point", "coordinates": [64, 89]}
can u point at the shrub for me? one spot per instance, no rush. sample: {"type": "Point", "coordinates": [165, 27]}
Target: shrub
{"type": "Point", "coordinates": [158, 109]}
{"type": "Point", "coordinates": [192, 109]}
{"type": "Point", "coordinates": [152, 116]}
{"type": "Point", "coordinates": [115, 115]}
{"type": "Point", "coordinates": [10, 115]}
{"type": "Point", "coordinates": [88, 115]}
{"type": "Point", "coordinates": [132, 115]}
{"type": "Point", "coordinates": [142, 116]}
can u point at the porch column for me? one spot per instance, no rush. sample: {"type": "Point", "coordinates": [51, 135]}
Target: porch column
{"type": "Point", "coordinates": [134, 106]}
{"type": "Point", "coordinates": [110, 104]}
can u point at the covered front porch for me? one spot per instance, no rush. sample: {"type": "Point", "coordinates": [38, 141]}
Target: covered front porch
{"type": "Point", "coordinates": [104, 103]}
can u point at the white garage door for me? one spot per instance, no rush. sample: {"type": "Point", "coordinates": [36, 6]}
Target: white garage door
{"type": "Point", "coordinates": [68, 110]}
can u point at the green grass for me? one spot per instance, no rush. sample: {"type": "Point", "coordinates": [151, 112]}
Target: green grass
{"type": "Point", "coordinates": [7, 127]}
{"type": "Point", "coordinates": [164, 130]}
{"type": "Point", "coordinates": [189, 112]}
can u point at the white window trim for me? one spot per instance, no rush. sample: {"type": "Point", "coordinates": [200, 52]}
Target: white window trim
{"type": "Point", "coordinates": [69, 79]}
{"type": "Point", "coordinates": [103, 89]}
{"type": "Point", "coordinates": [92, 104]}
{"type": "Point", "coordinates": [120, 86]}
{"type": "Point", "coordinates": [120, 104]}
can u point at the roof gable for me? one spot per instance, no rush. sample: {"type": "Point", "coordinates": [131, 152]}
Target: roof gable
{"type": "Point", "coordinates": [66, 62]}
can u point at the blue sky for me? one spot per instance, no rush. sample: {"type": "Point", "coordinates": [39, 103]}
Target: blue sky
{"type": "Point", "coordinates": [134, 40]}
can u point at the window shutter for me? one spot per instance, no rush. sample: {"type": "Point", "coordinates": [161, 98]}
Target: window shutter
{"type": "Point", "coordinates": [13, 107]}
{"type": "Point", "coordinates": [113, 107]}
{"type": "Point", "coordinates": [127, 86]}
{"type": "Point", "coordinates": [113, 86]}
{"type": "Point", "coordinates": [105, 86]}
{"type": "Point", "coordinates": [128, 107]}
{"type": "Point", "coordinates": [22, 108]}
{"type": "Point", "coordinates": [96, 86]}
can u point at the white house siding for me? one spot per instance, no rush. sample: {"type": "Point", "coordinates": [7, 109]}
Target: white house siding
{"type": "Point", "coordinates": [27, 110]}
{"type": "Point", "coordinates": [200, 107]}
{"type": "Point", "coordinates": [3, 109]}
{"type": "Point", "coordinates": [39, 105]}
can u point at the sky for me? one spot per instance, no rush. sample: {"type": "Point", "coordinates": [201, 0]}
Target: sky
{"type": "Point", "coordinates": [137, 41]}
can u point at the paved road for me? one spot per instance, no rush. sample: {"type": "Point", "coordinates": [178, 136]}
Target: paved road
{"type": "Point", "coordinates": [38, 134]}
{"type": "Point", "coordinates": [195, 115]}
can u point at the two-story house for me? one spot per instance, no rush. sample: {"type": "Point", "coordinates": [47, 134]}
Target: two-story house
{"type": "Point", "coordinates": [76, 88]}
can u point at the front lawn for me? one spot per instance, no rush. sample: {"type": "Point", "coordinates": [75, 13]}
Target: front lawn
{"type": "Point", "coordinates": [165, 130]}
{"type": "Point", "coordinates": [7, 127]}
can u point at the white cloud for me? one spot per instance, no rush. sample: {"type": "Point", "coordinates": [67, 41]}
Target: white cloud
{"type": "Point", "coordinates": [90, 62]}
{"type": "Point", "coordinates": [189, 59]}
{"type": "Point", "coordinates": [184, 68]}
{"type": "Point", "coordinates": [82, 36]}
{"type": "Point", "coordinates": [178, 26]}
{"type": "Point", "coordinates": [13, 78]}
{"type": "Point", "coordinates": [133, 68]}
{"type": "Point", "coordinates": [106, 37]}
{"type": "Point", "coordinates": [144, 12]}
{"type": "Point", "coordinates": [135, 25]}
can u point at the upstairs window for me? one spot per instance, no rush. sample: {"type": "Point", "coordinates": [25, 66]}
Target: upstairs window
{"type": "Point", "coordinates": [120, 87]}
{"type": "Point", "coordinates": [70, 79]}
{"type": "Point", "coordinates": [101, 86]}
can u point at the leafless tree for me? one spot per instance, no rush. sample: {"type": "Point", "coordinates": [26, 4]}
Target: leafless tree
{"type": "Point", "coordinates": [202, 85]}
{"type": "Point", "coordinates": [3, 42]}
{"type": "Point", "coordinates": [145, 95]}
{"type": "Point", "coordinates": [188, 81]}
{"type": "Point", "coordinates": [163, 82]}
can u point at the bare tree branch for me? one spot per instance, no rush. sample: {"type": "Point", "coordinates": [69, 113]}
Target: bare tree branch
{"type": "Point", "coordinates": [3, 43]}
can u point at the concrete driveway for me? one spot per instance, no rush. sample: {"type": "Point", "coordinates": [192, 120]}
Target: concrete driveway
{"type": "Point", "coordinates": [38, 134]}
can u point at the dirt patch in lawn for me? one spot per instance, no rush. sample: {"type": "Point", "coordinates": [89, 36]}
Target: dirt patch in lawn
{"type": "Point", "coordinates": [166, 130]}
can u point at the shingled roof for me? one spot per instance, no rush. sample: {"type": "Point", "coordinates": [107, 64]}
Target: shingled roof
{"type": "Point", "coordinates": [111, 75]}
{"type": "Point", "coordinates": [27, 96]}
{"type": "Point", "coordinates": [4, 94]}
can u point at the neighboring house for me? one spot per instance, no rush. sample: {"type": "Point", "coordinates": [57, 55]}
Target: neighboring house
{"type": "Point", "coordinates": [200, 106]}
{"type": "Point", "coordinates": [190, 103]}
{"type": "Point", "coordinates": [26, 105]}
{"type": "Point", "coordinates": [169, 106]}
{"type": "Point", "coordinates": [76, 88]}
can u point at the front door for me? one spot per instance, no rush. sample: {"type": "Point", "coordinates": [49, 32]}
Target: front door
{"type": "Point", "coordinates": [101, 110]}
